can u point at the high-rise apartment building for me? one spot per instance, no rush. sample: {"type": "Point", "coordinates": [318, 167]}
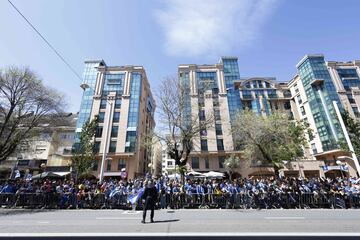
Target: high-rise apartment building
{"type": "Point", "coordinates": [314, 89]}
{"type": "Point", "coordinates": [346, 78]}
{"type": "Point", "coordinates": [218, 90]}
{"type": "Point", "coordinates": [121, 98]}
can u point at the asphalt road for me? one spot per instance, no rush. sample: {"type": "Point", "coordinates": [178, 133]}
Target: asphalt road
{"type": "Point", "coordinates": [180, 222]}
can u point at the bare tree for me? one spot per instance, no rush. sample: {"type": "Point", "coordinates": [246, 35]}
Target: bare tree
{"type": "Point", "coordinates": [25, 105]}
{"type": "Point", "coordinates": [176, 125]}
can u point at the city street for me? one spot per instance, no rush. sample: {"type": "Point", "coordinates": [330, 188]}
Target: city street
{"type": "Point", "coordinates": [219, 222]}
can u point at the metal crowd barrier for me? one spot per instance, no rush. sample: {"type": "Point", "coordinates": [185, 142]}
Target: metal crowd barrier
{"type": "Point", "coordinates": [244, 200]}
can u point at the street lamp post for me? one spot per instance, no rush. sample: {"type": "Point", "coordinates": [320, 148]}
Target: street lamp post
{"type": "Point", "coordinates": [347, 138]}
{"type": "Point", "coordinates": [106, 142]}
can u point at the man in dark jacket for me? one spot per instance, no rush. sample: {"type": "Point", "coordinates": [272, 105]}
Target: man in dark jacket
{"type": "Point", "coordinates": [150, 197]}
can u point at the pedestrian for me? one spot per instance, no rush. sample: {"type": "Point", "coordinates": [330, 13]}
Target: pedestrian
{"type": "Point", "coordinates": [149, 197]}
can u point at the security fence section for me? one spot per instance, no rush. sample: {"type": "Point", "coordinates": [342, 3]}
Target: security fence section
{"type": "Point", "coordinates": [245, 200]}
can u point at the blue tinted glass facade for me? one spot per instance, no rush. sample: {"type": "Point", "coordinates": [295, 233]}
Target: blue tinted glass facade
{"type": "Point", "coordinates": [185, 83]}
{"type": "Point", "coordinates": [320, 96]}
{"type": "Point", "coordinates": [133, 114]}
{"type": "Point", "coordinates": [206, 81]}
{"type": "Point", "coordinates": [231, 73]}
{"type": "Point", "coordinates": [255, 106]}
{"type": "Point", "coordinates": [267, 107]}
{"type": "Point", "coordinates": [113, 83]}
{"type": "Point", "coordinates": [89, 78]}
{"type": "Point", "coordinates": [349, 78]}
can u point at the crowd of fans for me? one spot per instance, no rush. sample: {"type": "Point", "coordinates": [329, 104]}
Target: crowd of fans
{"type": "Point", "coordinates": [171, 192]}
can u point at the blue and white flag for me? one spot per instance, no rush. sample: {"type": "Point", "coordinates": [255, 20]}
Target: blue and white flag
{"type": "Point", "coordinates": [29, 177]}
{"type": "Point", "coordinates": [133, 198]}
{"type": "Point", "coordinates": [17, 173]}
{"type": "Point", "coordinates": [114, 192]}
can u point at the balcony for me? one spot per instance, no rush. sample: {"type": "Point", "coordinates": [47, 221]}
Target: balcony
{"type": "Point", "coordinates": [272, 96]}
{"type": "Point", "coordinates": [247, 97]}
{"type": "Point", "coordinates": [317, 82]}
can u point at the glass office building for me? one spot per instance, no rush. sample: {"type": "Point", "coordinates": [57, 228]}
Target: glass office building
{"type": "Point", "coordinates": [121, 98]}
{"type": "Point", "coordinates": [314, 89]}
{"type": "Point", "coordinates": [89, 81]}
{"type": "Point", "coordinates": [320, 92]}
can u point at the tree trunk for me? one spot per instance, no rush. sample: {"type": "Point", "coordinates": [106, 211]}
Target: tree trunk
{"type": "Point", "coordinates": [277, 171]}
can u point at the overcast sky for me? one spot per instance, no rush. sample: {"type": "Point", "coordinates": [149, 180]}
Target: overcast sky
{"type": "Point", "coordinates": [268, 36]}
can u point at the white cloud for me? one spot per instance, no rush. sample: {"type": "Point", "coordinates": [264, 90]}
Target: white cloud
{"type": "Point", "coordinates": [211, 27]}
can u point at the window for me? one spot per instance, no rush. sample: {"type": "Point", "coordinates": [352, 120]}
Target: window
{"type": "Point", "coordinates": [95, 167]}
{"type": "Point", "coordinates": [351, 98]}
{"type": "Point", "coordinates": [112, 148]}
{"type": "Point", "coordinates": [201, 102]}
{"type": "Point", "coordinates": [121, 164]}
{"type": "Point", "coordinates": [103, 103]}
{"type": "Point", "coordinates": [221, 162]}
{"type": "Point", "coordinates": [116, 117]}
{"type": "Point", "coordinates": [40, 149]}
{"type": "Point", "coordinates": [96, 147]}
{"type": "Point", "coordinates": [67, 151]}
{"type": "Point", "coordinates": [296, 88]}
{"type": "Point", "coordinates": [220, 144]}
{"type": "Point", "coordinates": [218, 129]}
{"type": "Point", "coordinates": [302, 109]}
{"type": "Point", "coordinates": [114, 131]}
{"type": "Point", "coordinates": [356, 111]}
{"type": "Point", "coordinates": [215, 102]}
{"type": "Point", "coordinates": [313, 147]}
{"type": "Point", "coordinates": [202, 115]}
{"type": "Point", "coordinates": [299, 99]}
{"type": "Point", "coordinates": [215, 91]}
{"type": "Point", "coordinates": [118, 103]}
{"type": "Point", "coordinates": [195, 162]}
{"type": "Point", "coordinates": [203, 132]}
{"type": "Point", "coordinates": [101, 117]}
{"type": "Point", "coordinates": [217, 115]}
{"type": "Point", "coordinates": [206, 163]}
{"type": "Point", "coordinates": [108, 165]}
{"type": "Point", "coordinates": [23, 162]}
{"type": "Point", "coordinates": [204, 146]}
{"type": "Point", "coordinates": [287, 105]}
{"type": "Point", "coordinates": [287, 94]}
{"type": "Point", "coordinates": [99, 131]}
{"type": "Point", "coordinates": [130, 143]}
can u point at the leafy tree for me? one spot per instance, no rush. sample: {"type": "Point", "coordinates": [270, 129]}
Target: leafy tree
{"type": "Point", "coordinates": [26, 105]}
{"type": "Point", "coordinates": [231, 164]}
{"type": "Point", "coordinates": [270, 139]}
{"type": "Point", "coordinates": [83, 158]}
{"type": "Point", "coordinates": [353, 128]}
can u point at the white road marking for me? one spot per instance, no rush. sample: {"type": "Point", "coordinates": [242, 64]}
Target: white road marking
{"type": "Point", "coordinates": [119, 234]}
{"type": "Point", "coordinates": [131, 212]}
{"type": "Point", "coordinates": [116, 218]}
{"type": "Point", "coordinates": [43, 222]}
{"type": "Point", "coordinates": [284, 218]}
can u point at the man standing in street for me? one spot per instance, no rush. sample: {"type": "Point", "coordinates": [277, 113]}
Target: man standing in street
{"type": "Point", "coordinates": [150, 197]}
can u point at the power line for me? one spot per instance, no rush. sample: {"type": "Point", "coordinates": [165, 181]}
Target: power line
{"type": "Point", "coordinates": [56, 52]}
